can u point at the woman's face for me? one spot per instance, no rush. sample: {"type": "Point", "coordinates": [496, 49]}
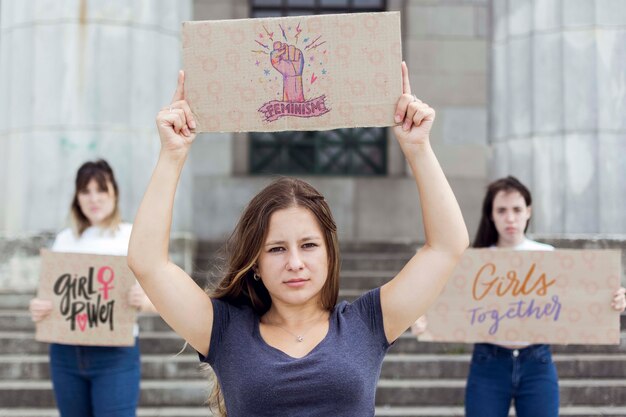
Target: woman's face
{"type": "Point", "coordinates": [293, 264]}
{"type": "Point", "coordinates": [97, 204]}
{"type": "Point", "coordinates": [510, 215]}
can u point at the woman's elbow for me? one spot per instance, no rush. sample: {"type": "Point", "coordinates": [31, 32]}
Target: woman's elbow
{"type": "Point", "coordinates": [464, 243]}
{"type": "Point", "coordinates": [134, 262]}
{"type": "Point", "coordinates": [457, 248]}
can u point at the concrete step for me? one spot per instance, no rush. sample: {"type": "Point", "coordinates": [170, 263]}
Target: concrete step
{"type": "Point", "coordinates": [407, 343]}
{"type": "Point", "coordinates": [35, 367]}
{"type": "Point", "coordinates": [349, 262]}
{"type": "Point", "coordinates": [165, 343]}
{"type": "Point", "coordinates": [380, 412]}
{"type": "Point", "coordinates": [390, 393]}
{"type": "Point", "coordinates": [353, 279]}
{"type": "Point", "coordinates": [19, 320]}
{"type": "Point", "coordinates": [153, 367]}
{"type": "Point", "coordinates": [379, 259]}
{"type": "Point", "coordinates": [409, 366]}
{"type": "Point", "coordinates": [16, 301]}
{"type": "Point", "coordinates": [580, 411]}
{"type": "Point", "coordinates": [141, 412]}
{"type": "Point", "coordinates": [435, 392]}
{"type": "Point", "coordinates": [169, 343]}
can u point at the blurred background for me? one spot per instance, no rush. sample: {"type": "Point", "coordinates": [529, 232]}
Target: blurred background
{"type": "Point", "coordinates": [535, 89]}
{"type": "Point", "coordinates": [531, 88]}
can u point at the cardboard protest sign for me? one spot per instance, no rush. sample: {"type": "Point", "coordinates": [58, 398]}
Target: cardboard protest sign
{"type": "Point", "coordinates": [89, 297]}
{"type": "Point", "coordinates": [293, 73]}
{"type": "Point", "coordinates": [509, 297]}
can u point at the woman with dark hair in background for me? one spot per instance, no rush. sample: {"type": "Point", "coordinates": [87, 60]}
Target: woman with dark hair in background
{"type": "Point", "coordinates": [517, 372]}
{"type": "Point", "coordinates": [95, 380]}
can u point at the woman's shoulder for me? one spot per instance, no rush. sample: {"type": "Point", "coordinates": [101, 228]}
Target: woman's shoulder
{"type": "Point", "coordinates": [126, 226]}
{"type": "Point", "coordinates": [226, 311]}
{"type": "Point", "coordinates": [529, 244]}
{"type": "Point", "coordinates": [120, 232]}
{"type": "Point", "coordinates": [65, 233]}
{"type": "Point", "coordinates": [367, 303]}
{"type": "Point", "coordinates": [125, 229]}
{"type": "Point", "coordinates": [63, 238]}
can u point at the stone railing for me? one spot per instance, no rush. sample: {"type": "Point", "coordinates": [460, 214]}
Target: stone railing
{"type": "Point", "coordinates": [19, 258]}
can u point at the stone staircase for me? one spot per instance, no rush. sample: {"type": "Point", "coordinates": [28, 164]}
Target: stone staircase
{"type": "Point", "coordinates": [418, 379]}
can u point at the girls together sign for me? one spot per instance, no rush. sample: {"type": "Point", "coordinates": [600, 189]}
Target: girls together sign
{"type": "Point", "coordinates": [89, 297]}
{"type": "Point", "coordinates": [293, 73]}
{"type": "Point", "coordinates": [508, 297]}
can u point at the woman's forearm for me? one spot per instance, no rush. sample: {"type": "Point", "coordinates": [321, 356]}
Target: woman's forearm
{"type": "Point", "coordinates": [444, 226]}
{"type": "Point", "coordinates": [149, 241]}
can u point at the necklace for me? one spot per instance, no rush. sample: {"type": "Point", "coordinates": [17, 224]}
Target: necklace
{"type": "Point", "coordinates": [299, 337]}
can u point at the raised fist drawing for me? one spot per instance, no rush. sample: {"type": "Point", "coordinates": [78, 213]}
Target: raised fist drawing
{"type": "Point", "coordinates": [289, 61]}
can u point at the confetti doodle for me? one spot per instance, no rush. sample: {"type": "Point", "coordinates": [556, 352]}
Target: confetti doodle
{"type": "Point", "coordinates": [317, 45]}
{"type": "Point", "coordinates": [283, 31]}
{"type": "Point", "coordinates": [263, 45]}
{"type": "Point", "coordinates": [269, 35]}
{"type": "Point", "coordinates": [298, 31]}
{"type": "Point", "coordinates": [313, 42]}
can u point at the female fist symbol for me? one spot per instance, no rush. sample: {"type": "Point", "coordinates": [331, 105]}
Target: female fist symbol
{"type": "Point", "coordinates": [289, 61]}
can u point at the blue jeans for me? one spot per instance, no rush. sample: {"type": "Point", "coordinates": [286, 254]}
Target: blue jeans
{"type": "Point", "coordinates": [498, 375]}
{"type": "Point", "coordinates": [95, 381]}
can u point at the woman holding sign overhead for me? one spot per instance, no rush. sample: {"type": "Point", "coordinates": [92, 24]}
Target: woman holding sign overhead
{"type": "Point", "coordinates": [272, 331]}
{"type": "Point", "coordinates": [520, 372]}
{"type": "Point", "coordinates": [95, 380]}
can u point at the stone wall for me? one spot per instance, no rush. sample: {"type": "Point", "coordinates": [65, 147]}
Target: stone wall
{"type": "Point", "coordinates": [81, 80]}
{"type": "Point", "coordinates": [445, 45]}
{"type": "Point", "coordinates": [19, 256]}
{"type": "Point", "coordinates": [20, 261]}
{"type": "Point", "coordinates": [558, 103]}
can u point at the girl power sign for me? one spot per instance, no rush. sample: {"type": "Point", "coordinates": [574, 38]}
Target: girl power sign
{"type": "Point", "coordinates": [512, 297]}
{"type": "Point", "coordinates": [89, 297]}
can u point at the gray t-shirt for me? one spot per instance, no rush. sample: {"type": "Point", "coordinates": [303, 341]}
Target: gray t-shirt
{"type": "Point", "coordinates": [337, 378]}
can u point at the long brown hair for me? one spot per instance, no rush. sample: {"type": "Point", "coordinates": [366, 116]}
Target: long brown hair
{"type": "Point", "coordinates": [244, 247]}
{"type": "Point", "coordinates": [101, 172]}
{"type": "Point", "coordinates": [487, 235]}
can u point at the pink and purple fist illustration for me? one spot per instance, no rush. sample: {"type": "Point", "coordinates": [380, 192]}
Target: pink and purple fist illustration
{"type": "Point", "coordinates": [289, 61]}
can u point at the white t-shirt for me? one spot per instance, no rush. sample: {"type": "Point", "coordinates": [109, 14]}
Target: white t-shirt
{"type": "Point", "coordinates": [528, 244]}
{"type": "Point", "coordinates": [95, 240]}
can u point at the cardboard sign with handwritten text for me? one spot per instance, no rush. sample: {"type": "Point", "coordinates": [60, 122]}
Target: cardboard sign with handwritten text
{"type": "Point", "coordinates": [89, 296]}
{"type": "Point", "coordinates": [506, 296]}
{"type": "Point", "coordinates": [293, 73]}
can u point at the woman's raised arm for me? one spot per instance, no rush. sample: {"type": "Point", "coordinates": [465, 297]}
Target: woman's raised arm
{"type": "Point", "coordinates": [177, 298]}
{"type": "Point", "coordinates": [407, 296]}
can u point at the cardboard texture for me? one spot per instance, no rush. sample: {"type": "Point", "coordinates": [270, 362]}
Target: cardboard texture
{"type": "Point", "coordinates": [511, 297]}
{"type": "Point", "coordinates": [293, 73]}
{"type": "Point", "coordinates": [89, 295]}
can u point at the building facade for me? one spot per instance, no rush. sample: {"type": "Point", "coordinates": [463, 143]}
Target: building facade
{"type": "Point", "coordinates": [530, 88]}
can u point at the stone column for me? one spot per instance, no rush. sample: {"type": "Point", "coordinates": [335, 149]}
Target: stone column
{"type": "Point", "coordinates": [558, 109]}
{"type": "Point", "coordinates": [81, 80]}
